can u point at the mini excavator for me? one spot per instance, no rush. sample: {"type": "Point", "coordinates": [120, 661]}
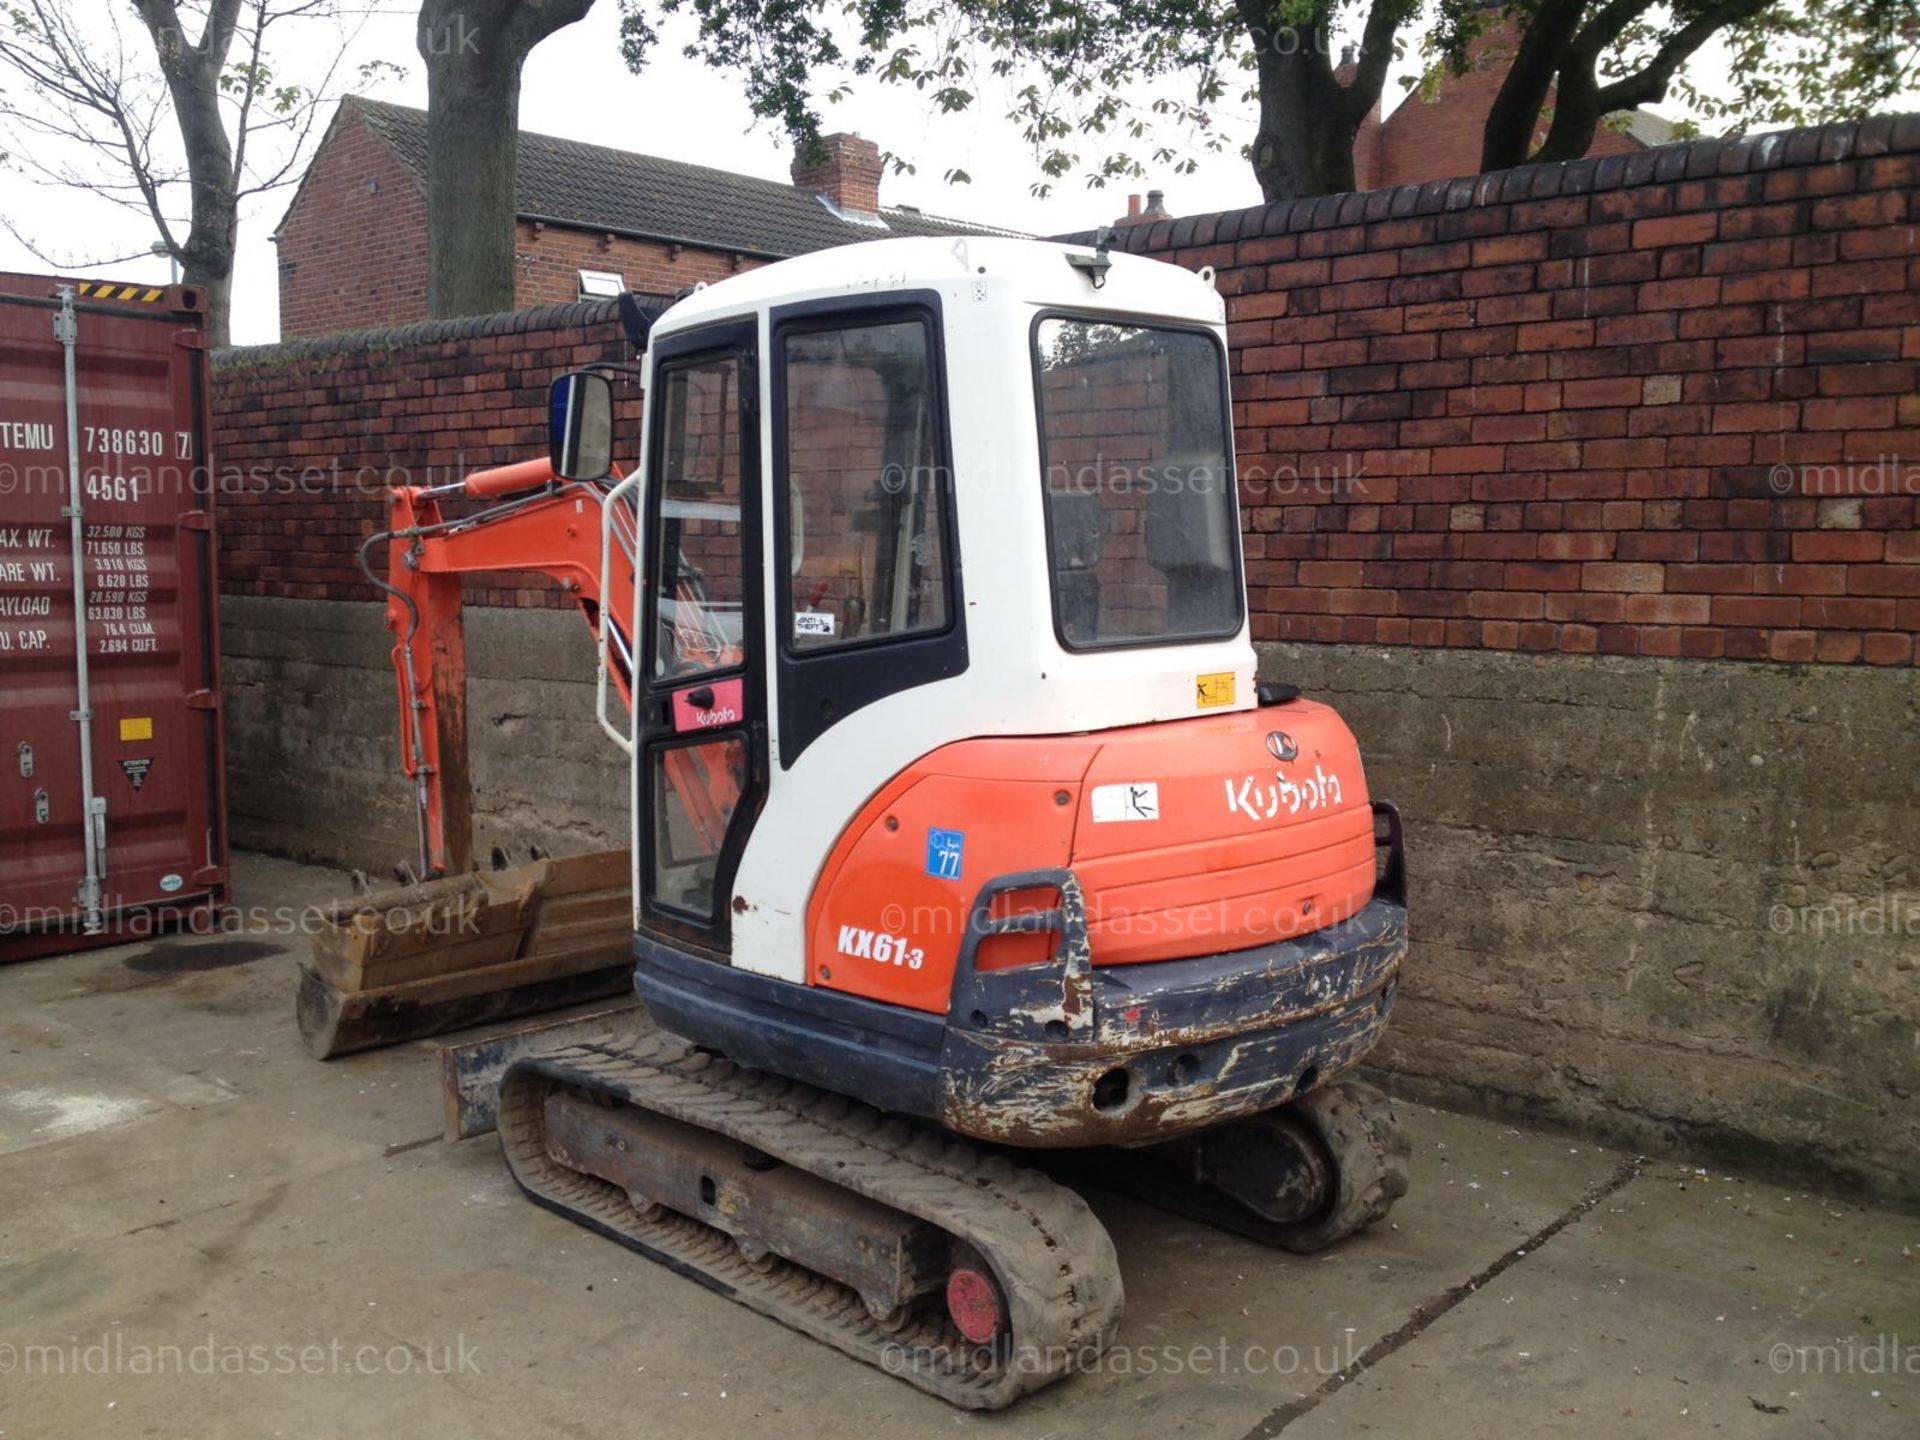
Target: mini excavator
{"type": "Point", "coordinates": [962, 827]}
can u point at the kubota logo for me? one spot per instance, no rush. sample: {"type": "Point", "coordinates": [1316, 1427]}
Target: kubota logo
{"type": "Point", "coordinates": [1260, 799]}
{"type": "Point", "coordinates": [1280, 745]}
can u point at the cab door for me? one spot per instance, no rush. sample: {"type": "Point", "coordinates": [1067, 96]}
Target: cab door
{"type": "Point", "coordinates": [700, 769]}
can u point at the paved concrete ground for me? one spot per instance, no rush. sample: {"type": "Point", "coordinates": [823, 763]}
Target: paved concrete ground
{"type": "Point", "coordinates": [203, 1233]}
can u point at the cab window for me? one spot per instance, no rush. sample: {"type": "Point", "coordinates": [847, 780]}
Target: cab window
{"type": "Point", "coordinates": [866, 550]}
{"type": "Point", "coordinates": [1143, 528]}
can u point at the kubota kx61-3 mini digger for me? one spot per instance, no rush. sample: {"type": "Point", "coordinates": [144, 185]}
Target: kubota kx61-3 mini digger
{"type": "Point", "coordinates": [961, 825]}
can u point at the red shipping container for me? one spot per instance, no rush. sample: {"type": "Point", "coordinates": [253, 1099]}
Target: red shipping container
{"type": "Point", "coordinates": [112, 767]}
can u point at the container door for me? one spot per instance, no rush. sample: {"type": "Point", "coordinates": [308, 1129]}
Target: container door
{"type": "Point", "coordinates": [701, 762]}
{"type": "Point", "coordinates": [113, 691]}
{"type": "Point", "coordinates": [43, 804]}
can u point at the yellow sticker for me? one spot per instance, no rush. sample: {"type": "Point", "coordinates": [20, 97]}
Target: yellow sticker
{"type": "Point", "coordinates": [1213, 691]}
{"type": "Point", "coordinates": [140, 727]}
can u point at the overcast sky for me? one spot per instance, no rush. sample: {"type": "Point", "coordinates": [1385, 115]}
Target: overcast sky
{"type": "Point", "coordinates": [577, 86]}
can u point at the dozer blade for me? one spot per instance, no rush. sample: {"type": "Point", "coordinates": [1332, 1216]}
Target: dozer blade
{"type": "Point", "coordinates": [424, 959]}
{"type": "Point", "coordinates": [955, 1269]}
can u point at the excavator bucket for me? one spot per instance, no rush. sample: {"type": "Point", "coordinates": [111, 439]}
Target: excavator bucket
{"type": "Point", "coordinates": [424, 959]}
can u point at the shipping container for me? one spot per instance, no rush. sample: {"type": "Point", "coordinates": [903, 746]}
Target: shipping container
{"type": "Point", "coordinates": [112, 766]}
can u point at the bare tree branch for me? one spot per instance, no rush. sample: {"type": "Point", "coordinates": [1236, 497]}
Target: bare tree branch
{"type": "Point", "coordinates": [179, 125]}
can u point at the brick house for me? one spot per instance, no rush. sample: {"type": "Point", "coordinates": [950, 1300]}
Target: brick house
{"type": "Point", "coordinates": [591, 220]}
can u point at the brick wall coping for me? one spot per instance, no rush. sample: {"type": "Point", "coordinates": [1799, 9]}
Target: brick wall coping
{"type": "Point", "coordinates": [1691, 160]}
{"type": "Point", "coordinates": [580, 315]}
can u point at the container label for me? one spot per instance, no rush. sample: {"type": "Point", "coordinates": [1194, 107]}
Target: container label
{"type": "Point", "coordinates": [137, 770]}
{"type": "Point", "coordinates": [171, 883]}
{"type": "Point", "coordinates": [137, 727]}
{"type": "Point", "coordinates": [29, 560]}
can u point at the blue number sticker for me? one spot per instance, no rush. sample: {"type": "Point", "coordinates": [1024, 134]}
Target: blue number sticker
{"type": "Point", "coordinates": [946, 852]}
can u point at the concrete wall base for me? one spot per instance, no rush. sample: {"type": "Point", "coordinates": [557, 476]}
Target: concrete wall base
{"type": "Point", "coordinates": [313, 735]}
{"type": "Point", "coordinates": [1671, 902]}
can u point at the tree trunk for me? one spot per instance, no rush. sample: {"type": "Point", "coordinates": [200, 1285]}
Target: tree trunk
{"type": "Point", "coordinates": [216, 290]}
{"type": "Point", "coordinates": [1508, 137]}
{"type": "Point", "coordinates": [474, 52]}
{"type": "Point", "coordinates": [1304, 144]}
{"type": "Point", "coordinates": [193, 84]}
{"type": "Point", "coordinates": [1577, 113]}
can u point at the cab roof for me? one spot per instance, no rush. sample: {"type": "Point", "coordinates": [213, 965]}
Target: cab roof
{"type": "Point", "coordinates": [1031, 273]}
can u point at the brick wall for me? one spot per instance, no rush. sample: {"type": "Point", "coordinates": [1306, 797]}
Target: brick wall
{"type": "Point", "coordinates": [353, 251]}
{"type": "Point", "coordinates": [1658, 404]}
{"type": "Point", "coordinates": [310, 433]}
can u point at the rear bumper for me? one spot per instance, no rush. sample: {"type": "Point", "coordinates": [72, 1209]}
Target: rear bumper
{"type": "Point", "coordinates": [1067, 1053]}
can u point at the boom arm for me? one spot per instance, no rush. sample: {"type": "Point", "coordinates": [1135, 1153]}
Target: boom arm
{"type": "Point", "coordinates": [533, 521]}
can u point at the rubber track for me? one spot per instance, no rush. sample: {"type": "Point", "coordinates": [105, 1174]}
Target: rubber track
{"type": "Point", "coordinates": [1350, 1110]}
{"type": "Point", "coordinates": [1054, 1260]}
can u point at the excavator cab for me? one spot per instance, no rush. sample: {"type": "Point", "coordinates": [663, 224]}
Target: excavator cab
{"type": "Point", "coordinates": [953, 786]}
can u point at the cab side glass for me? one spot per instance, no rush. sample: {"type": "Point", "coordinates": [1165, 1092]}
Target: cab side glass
{"type": "Point", "coordinates": [580, 426]}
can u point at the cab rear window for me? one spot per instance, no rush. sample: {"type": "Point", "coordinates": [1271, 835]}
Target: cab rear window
{"type": "Point", "coordinates": [1143, 528]}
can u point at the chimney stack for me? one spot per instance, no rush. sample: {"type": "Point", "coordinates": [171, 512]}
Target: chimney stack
{"type": "Point", "coordinates": [1155, 209]}
{"type": "Point", "coordinates": [845, 171]}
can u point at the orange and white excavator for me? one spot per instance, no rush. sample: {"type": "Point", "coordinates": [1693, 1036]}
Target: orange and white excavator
{"type": "Point", "coordinates": [962, 828]}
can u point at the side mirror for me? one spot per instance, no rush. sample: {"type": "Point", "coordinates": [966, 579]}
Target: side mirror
{"type": "Point", "coordinates": [580, 426]}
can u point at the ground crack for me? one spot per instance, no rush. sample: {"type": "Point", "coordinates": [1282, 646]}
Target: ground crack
{"type": "Point", "coordinates": [1428, 1311]}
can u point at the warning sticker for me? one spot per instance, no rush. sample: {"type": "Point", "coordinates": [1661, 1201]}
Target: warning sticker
{"type": "Point", "coordinates": [1210, 692]}
{"type": "Point", "coordinates": [137, 727]}
{"type": "Point", "coordinates": [1135, 800]}
{"type": "Point", "coordinates": [137, 770]}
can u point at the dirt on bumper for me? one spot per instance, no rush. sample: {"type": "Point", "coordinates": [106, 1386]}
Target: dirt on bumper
{"type": "Point", "coordinates": [1166, 1048]}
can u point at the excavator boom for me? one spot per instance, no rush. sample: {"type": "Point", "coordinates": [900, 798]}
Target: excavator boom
{"type": "Point", "coordinates": [527, 521]}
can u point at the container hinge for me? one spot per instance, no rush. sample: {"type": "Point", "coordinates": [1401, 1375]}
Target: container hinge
{"type": "Point", "coordinates": [203, 700]}
{"type": "Point", "coordinates": [196, 520]}
{"type": "Point", "coordinates": [208, 875]}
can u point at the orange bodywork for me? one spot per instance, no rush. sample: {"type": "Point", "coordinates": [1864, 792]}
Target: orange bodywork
{"type": "Point", "coordinates": [1189, 837]}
